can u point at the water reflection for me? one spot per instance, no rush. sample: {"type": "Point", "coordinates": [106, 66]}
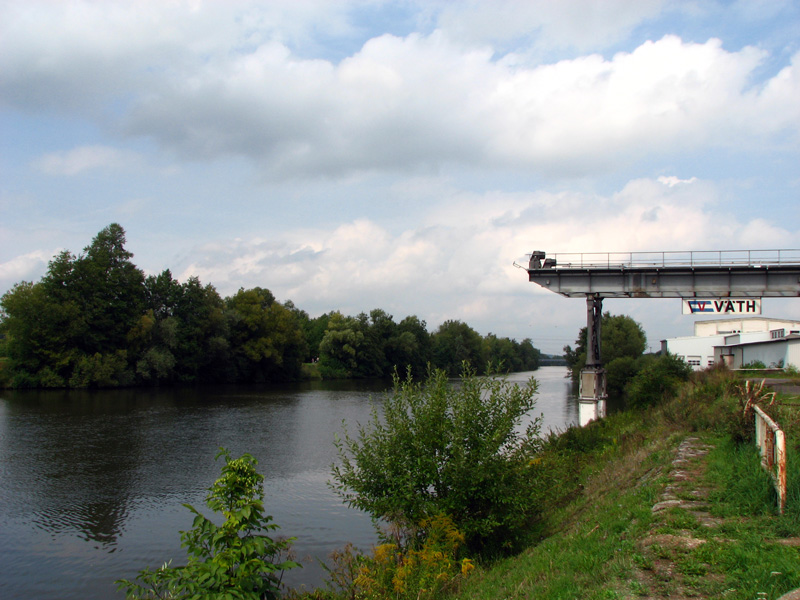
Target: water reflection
{"type": "Point", "coordinates": [91, 483]}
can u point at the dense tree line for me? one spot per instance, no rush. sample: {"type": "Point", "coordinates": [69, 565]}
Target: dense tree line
{"type": "Point", "coordinates": [96, 320]}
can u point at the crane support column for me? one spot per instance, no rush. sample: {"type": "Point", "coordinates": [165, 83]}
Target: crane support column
{"type": "Point", "coordinates": [592, 401]}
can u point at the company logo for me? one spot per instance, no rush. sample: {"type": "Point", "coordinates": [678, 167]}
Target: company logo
{"type": "Point", "coordinates": [726, 306]}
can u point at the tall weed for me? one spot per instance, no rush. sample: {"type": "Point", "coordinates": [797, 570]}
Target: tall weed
{"type": "Point", "coordinates": [406, 566]}
{"type": "Point", "coordinates": [743, 487]}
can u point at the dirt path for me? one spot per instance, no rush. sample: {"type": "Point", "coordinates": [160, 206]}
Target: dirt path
{"type": "Point", "coordinates": [661, 572]}
{"type": "Point", "coordinates": [670, 564]}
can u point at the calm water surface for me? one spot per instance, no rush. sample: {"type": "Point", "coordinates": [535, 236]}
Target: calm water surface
{"type": "Point", "coordinates": [91, 483]}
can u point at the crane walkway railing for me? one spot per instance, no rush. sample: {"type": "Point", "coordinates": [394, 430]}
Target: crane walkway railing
{"type": "Point", "coordinates": [644, 260]}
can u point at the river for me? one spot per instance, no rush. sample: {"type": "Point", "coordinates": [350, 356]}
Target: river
{"type": "Point", "coordinates": [92, 482]}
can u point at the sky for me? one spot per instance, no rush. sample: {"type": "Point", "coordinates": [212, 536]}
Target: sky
{"type": "Point", "coordinates": [352, 155]}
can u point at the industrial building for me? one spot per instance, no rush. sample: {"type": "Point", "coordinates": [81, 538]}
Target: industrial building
{"type": "Point", "coordinates": [739, 341]}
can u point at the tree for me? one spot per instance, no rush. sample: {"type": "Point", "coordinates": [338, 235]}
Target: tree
{"type": "Point", "coordinates": [411, 346]}
{"type": "Point", "coordinates": [378, 351]}
{"type": "Point", "coordinates": [370, 354]}
{"type": "Point", "coordinates": [529, 355]}
{"type": "Point", "coordinates": [202, 351]}
{"type": "Point", "coordinates": [109, 289]}
{"type": "Point", "coordinates": [236, 559]}
{"type": "Point", "coordinates": [182, 335]}
{"type": "Point", "coordinates": [439, 449]}
{"type": "Point", "coordinates": [267, 343]}
{"type": "Point", "coordinates": [340, 346]}
{"type": "Point", "coordinates": [71, 329]}
{"type": "Point", "coordinates": [313, 329]}
{"type": "Point", "coordinates": [620, 336]}
{"type": "Point", "coordinates": [455, 343]}
{"type": "Point", "coordinates": [40, 336]}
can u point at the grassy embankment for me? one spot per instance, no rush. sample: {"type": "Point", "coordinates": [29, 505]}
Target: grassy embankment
{"type": "Point", "coordinates": [720, 538]}
{"type": "Point", "coordinates": [714, 532]}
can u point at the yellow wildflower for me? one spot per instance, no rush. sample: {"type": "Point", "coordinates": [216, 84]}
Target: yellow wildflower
{"type": "Point", "coordinates": [466, 566]}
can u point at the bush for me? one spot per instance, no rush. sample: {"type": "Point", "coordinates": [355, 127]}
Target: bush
{"type": "Point", "coordinates": [705, 403]}
{"type": "Point", "coordinates": [754, 364]}
{"type": "Point", "coordinates": [444, 449]}
{"type": "Point", "coordinates": [232, 560]}
{"type": "Point", "coordinates": [618, 373]}
{"type": "Point", "coordinates": [660, 378]}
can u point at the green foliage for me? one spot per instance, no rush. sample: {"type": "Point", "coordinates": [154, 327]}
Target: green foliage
{"type": "Point", "coordinates": [754, 364]}
{"type": "Point", "coordinates": [791, 371]}
{"type": "Point", "coordinates": [101, 370]}
{"type": "Point", "coordinates": [660, 378]}
{"type": "Point", "coordinates": [267, 342]}
{"type": "Point", "coordinates": [454, 344]}
{"type": "Point", "coordinates": [233, 560]}
{"type": "Point", "coordinates": [741, 481]}
{"type": "Point", "coordinates": [70, 328]}
{"type": "Point", "coordinates": [512, 355]}
{"type": "Point", "coordinates": [412, 346]}
{"type": "Point", "coordinates": [618, 373]}
{"type": "Point", "coordinates": [704, 403]}
{"type": "Point", "coordinates": [443, 449]}
{"type": "Point", "coordinates": [340, 347]}
{"type": "Point", "coordinates": [373, 345]}
{"type": "Point", "coordinates": [620, 337]}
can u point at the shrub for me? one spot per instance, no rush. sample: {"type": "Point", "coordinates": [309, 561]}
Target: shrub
{"type": "Point", "coordinates": [754, 364]}
{"type": "Point", "coordinates": [699, 405]}
{"type": "Point", "coordinates": [444, 449]}
{"type": "Point", "coordinates": [232, 560]}
{"type": "Point", "coordinates": [791, 371]}
{"type": "Point", "coordinates": [618, 373]}
{"type": "Point", "coordinates": [660, 378]}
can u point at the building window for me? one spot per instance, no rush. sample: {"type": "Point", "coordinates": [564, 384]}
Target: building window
{"type": "Point", "coordinates": [694, 361]}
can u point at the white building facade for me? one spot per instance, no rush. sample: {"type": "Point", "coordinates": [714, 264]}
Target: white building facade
{"type": "Point", "coordinates": [739, 341]}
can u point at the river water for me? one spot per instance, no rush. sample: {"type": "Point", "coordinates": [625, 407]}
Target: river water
{"type": "Point", "coordinates": [92, 482]}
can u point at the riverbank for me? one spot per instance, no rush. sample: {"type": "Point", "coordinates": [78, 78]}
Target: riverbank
{"type": "Point", "coordinates": [664, 505]}
{"type": "Point", "coordinates": [665, 502]}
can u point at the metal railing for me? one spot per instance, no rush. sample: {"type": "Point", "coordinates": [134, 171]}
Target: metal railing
{"type": "Point", "coordinates": [697, 258]}
{"type": "Point", "coordinates": [771, 444]}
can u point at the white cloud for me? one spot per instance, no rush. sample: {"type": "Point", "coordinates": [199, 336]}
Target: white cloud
{"type": "Point", "coordinates": [211, 82]}
{"type": "Point", "coordinates": [26, 267]}
{"type": "Point", "coordinates": [672, 180]}
{"type": "Point", "coordinates": [86, 158]}
{"type": "Point", "coordinates": [401, 103]}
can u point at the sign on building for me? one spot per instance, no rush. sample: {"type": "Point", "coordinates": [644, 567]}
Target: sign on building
{"type": "Point", "coordinates": [722, 306]}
